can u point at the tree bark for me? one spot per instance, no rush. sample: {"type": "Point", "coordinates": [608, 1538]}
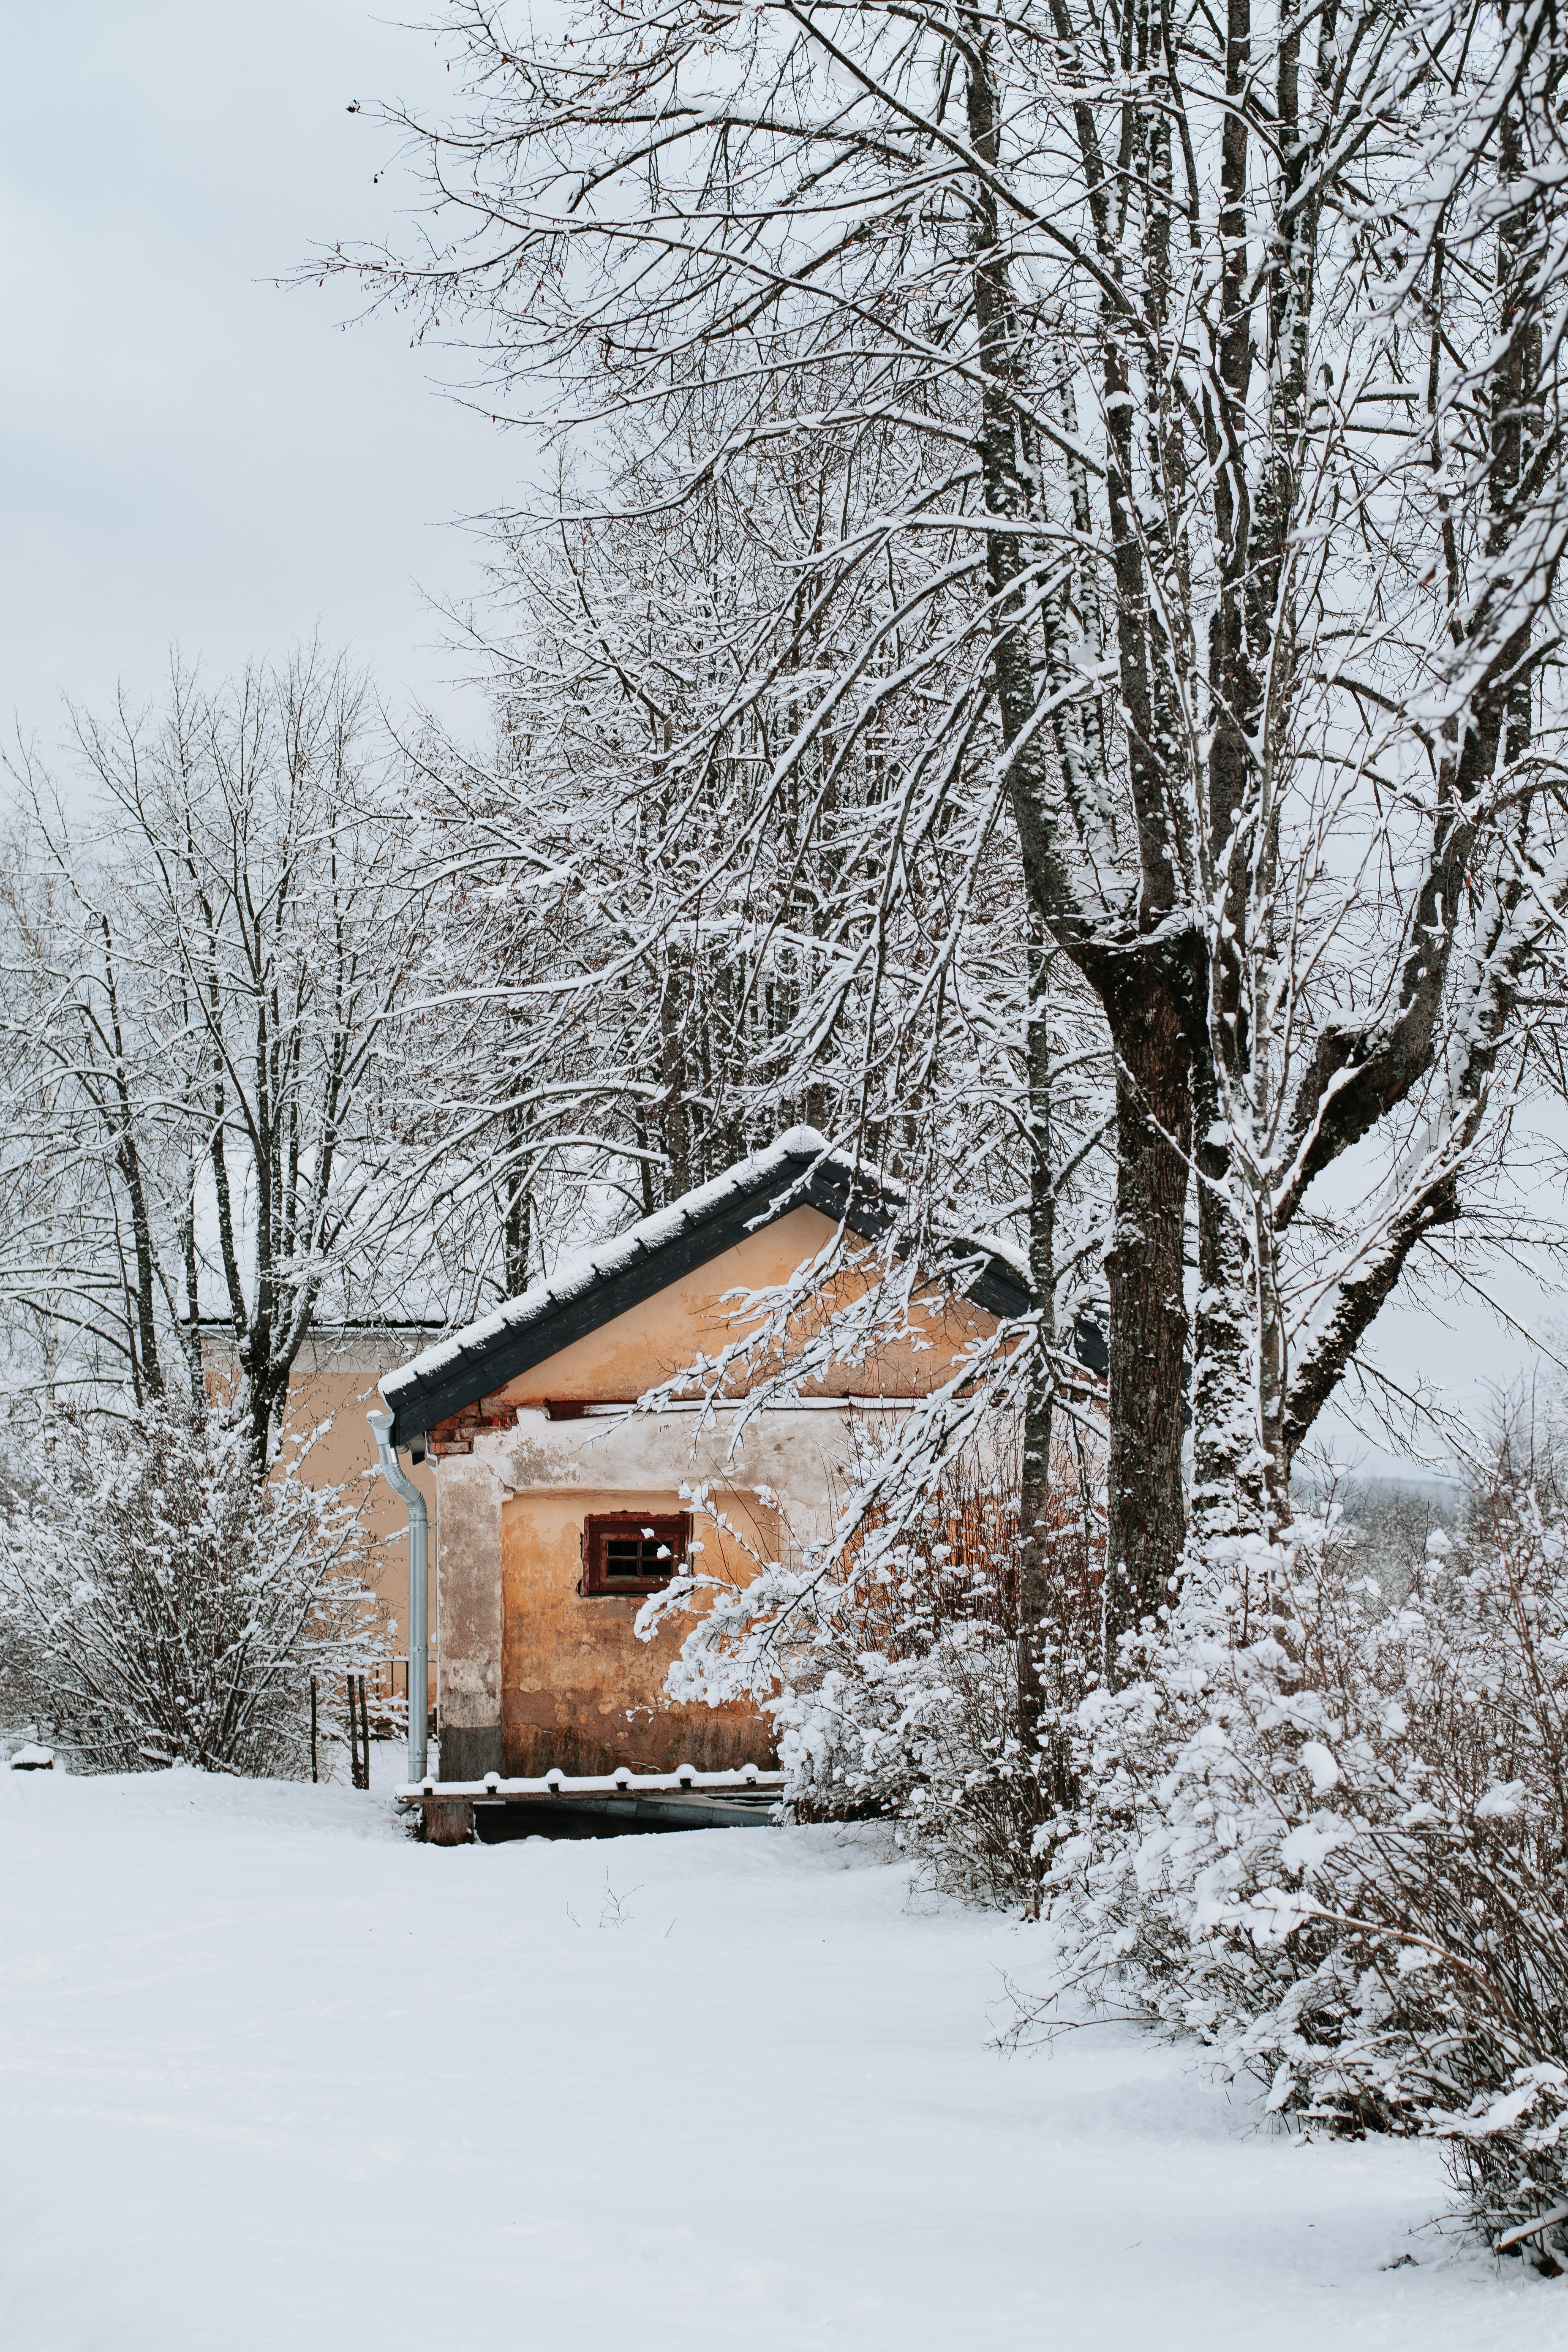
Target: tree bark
{"type": "Point", "coordinates": [1038, 1580]}
{"type": "Point", "coordinates": [1147, 995]}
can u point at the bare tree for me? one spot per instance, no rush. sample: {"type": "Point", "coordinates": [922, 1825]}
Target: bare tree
{"type": "Point", "coordinates": [87, 1144]}
{"type": "Point", "coordinates": [652, 961]}
{"type": "Point", "coordinates": [1211, 369]}
{"type": "Point", "coordinates": [234, 929]}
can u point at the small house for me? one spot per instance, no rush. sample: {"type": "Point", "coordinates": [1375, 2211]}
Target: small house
{"type": "Point", "coordinates": [558, 1510]}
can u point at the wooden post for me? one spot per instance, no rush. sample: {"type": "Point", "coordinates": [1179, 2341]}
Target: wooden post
{"type": "Point", "coordinates": [447, 1820]}
{"type": "Point", "coordinates": [359, 1733]}
{"type": "Point", "coordinates": [313, 1774]}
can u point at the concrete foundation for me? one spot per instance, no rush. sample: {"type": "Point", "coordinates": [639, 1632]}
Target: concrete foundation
{"type": "Point", "coordinates": [468, 1751]}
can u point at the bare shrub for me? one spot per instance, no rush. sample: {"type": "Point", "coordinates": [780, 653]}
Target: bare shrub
{"type": "Point", "coordinates": [904, 1698]}
{"type": "Point", "coordinates": [160, 1604]}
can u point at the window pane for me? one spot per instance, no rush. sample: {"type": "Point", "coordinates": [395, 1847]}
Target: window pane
{"type": "Point", "coordinates": [640, 1553]}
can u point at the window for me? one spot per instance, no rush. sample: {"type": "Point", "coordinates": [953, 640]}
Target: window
{"type": "Point", "coordinates": [633, 1554]}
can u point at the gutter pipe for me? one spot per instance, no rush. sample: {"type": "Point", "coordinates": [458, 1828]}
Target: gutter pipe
{"type": "Point", "coordinates": [402, 1485]}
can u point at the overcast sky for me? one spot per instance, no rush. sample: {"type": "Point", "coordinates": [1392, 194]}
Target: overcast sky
{"type": "Point", "coordinates": [190, 452]}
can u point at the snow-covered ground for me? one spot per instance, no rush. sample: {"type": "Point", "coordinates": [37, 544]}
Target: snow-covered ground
{"type": "Point", "coordinates": [275, 2076]}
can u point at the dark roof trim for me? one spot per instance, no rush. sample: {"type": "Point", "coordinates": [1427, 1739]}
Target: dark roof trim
{"type": "Point", "coordinates": [792, 1176]}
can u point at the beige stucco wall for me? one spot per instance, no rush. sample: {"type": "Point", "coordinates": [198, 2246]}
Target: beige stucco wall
{"type": "Point", "coordinates": [648, 1344]}
{"type": "Point", "coordinates": [335, 1384]}
{"type": "Point", "coordinates": [534, 1674]}
{"type": "Point", "coordinates": [579, 1691]}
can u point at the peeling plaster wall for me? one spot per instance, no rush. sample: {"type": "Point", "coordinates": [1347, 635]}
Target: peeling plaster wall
{"type": "Point", "coordinates": [535, 1674]}
{"type": "Point", "coordinates": [469, 1613]}
{"type": "Point", "coordinates": [575, 1688]}
{"type": "Point", "coordinates": [797, 1454]}
{"type": "Point", "coordinates": [579, 1690]}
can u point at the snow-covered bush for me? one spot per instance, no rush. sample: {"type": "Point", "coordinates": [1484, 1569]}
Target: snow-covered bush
{"type": "Point", "coordinates": [1329, 1836]}
{"type": "Point", "coordinates": [905, 1701]}
{"type": "Point", "coordinates": [160, 1604]}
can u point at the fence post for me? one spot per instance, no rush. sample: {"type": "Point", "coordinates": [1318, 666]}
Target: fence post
{"type": "Point", "coordinates": [312, 1726]}
{"type": "Point", "coordinates": [359, 1738]}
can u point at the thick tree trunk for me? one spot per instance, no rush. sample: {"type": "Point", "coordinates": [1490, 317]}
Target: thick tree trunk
{"type": "Point", "coordinates": [1148, 1011]}
{"type": "Point", "coordinates": [1150, 986]}
{"type": "Point", "coordinates": [266, 1395]}
{"type": "Point", "coordinates": [1237, 1381]}
{"type": "Point", "coordinates": [1040, 1584]}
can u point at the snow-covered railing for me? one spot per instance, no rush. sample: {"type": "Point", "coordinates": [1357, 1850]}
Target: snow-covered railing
{"type": "Point", "coordinates": [622, 1781]}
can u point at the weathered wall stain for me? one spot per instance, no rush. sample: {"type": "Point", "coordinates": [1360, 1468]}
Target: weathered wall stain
{"type": "Point", "coordinates": [535, 1676]}
{"type": "Point", "coordinates": [578, 1689]}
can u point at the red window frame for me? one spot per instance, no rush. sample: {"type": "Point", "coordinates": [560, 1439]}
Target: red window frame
{"type": "Point", "coordinates": [649, 1529]}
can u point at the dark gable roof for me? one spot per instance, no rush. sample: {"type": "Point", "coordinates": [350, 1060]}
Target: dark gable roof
{"type": "Point", "coordinates": [797, 1171]}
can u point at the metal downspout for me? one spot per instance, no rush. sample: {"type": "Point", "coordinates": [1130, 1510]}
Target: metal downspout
{"type": "Point", "coordinates": [401, 1483]}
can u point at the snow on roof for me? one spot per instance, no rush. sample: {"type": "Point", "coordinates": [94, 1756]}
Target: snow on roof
{"type": "Point", "coordinates": [783, 1162]}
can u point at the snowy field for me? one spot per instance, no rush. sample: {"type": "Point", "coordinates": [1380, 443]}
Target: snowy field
{"type": "Point", "coordinates": [275, 2076]}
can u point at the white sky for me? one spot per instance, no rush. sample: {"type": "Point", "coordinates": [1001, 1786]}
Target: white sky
{"type": "Point", "coordinates": [190, 452]}
{"type": "Point", "coordinates": [193, 453]}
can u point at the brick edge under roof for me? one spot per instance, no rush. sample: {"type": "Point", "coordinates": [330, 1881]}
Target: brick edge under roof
{"type": "Point", "coordinates": [797, 1171]}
